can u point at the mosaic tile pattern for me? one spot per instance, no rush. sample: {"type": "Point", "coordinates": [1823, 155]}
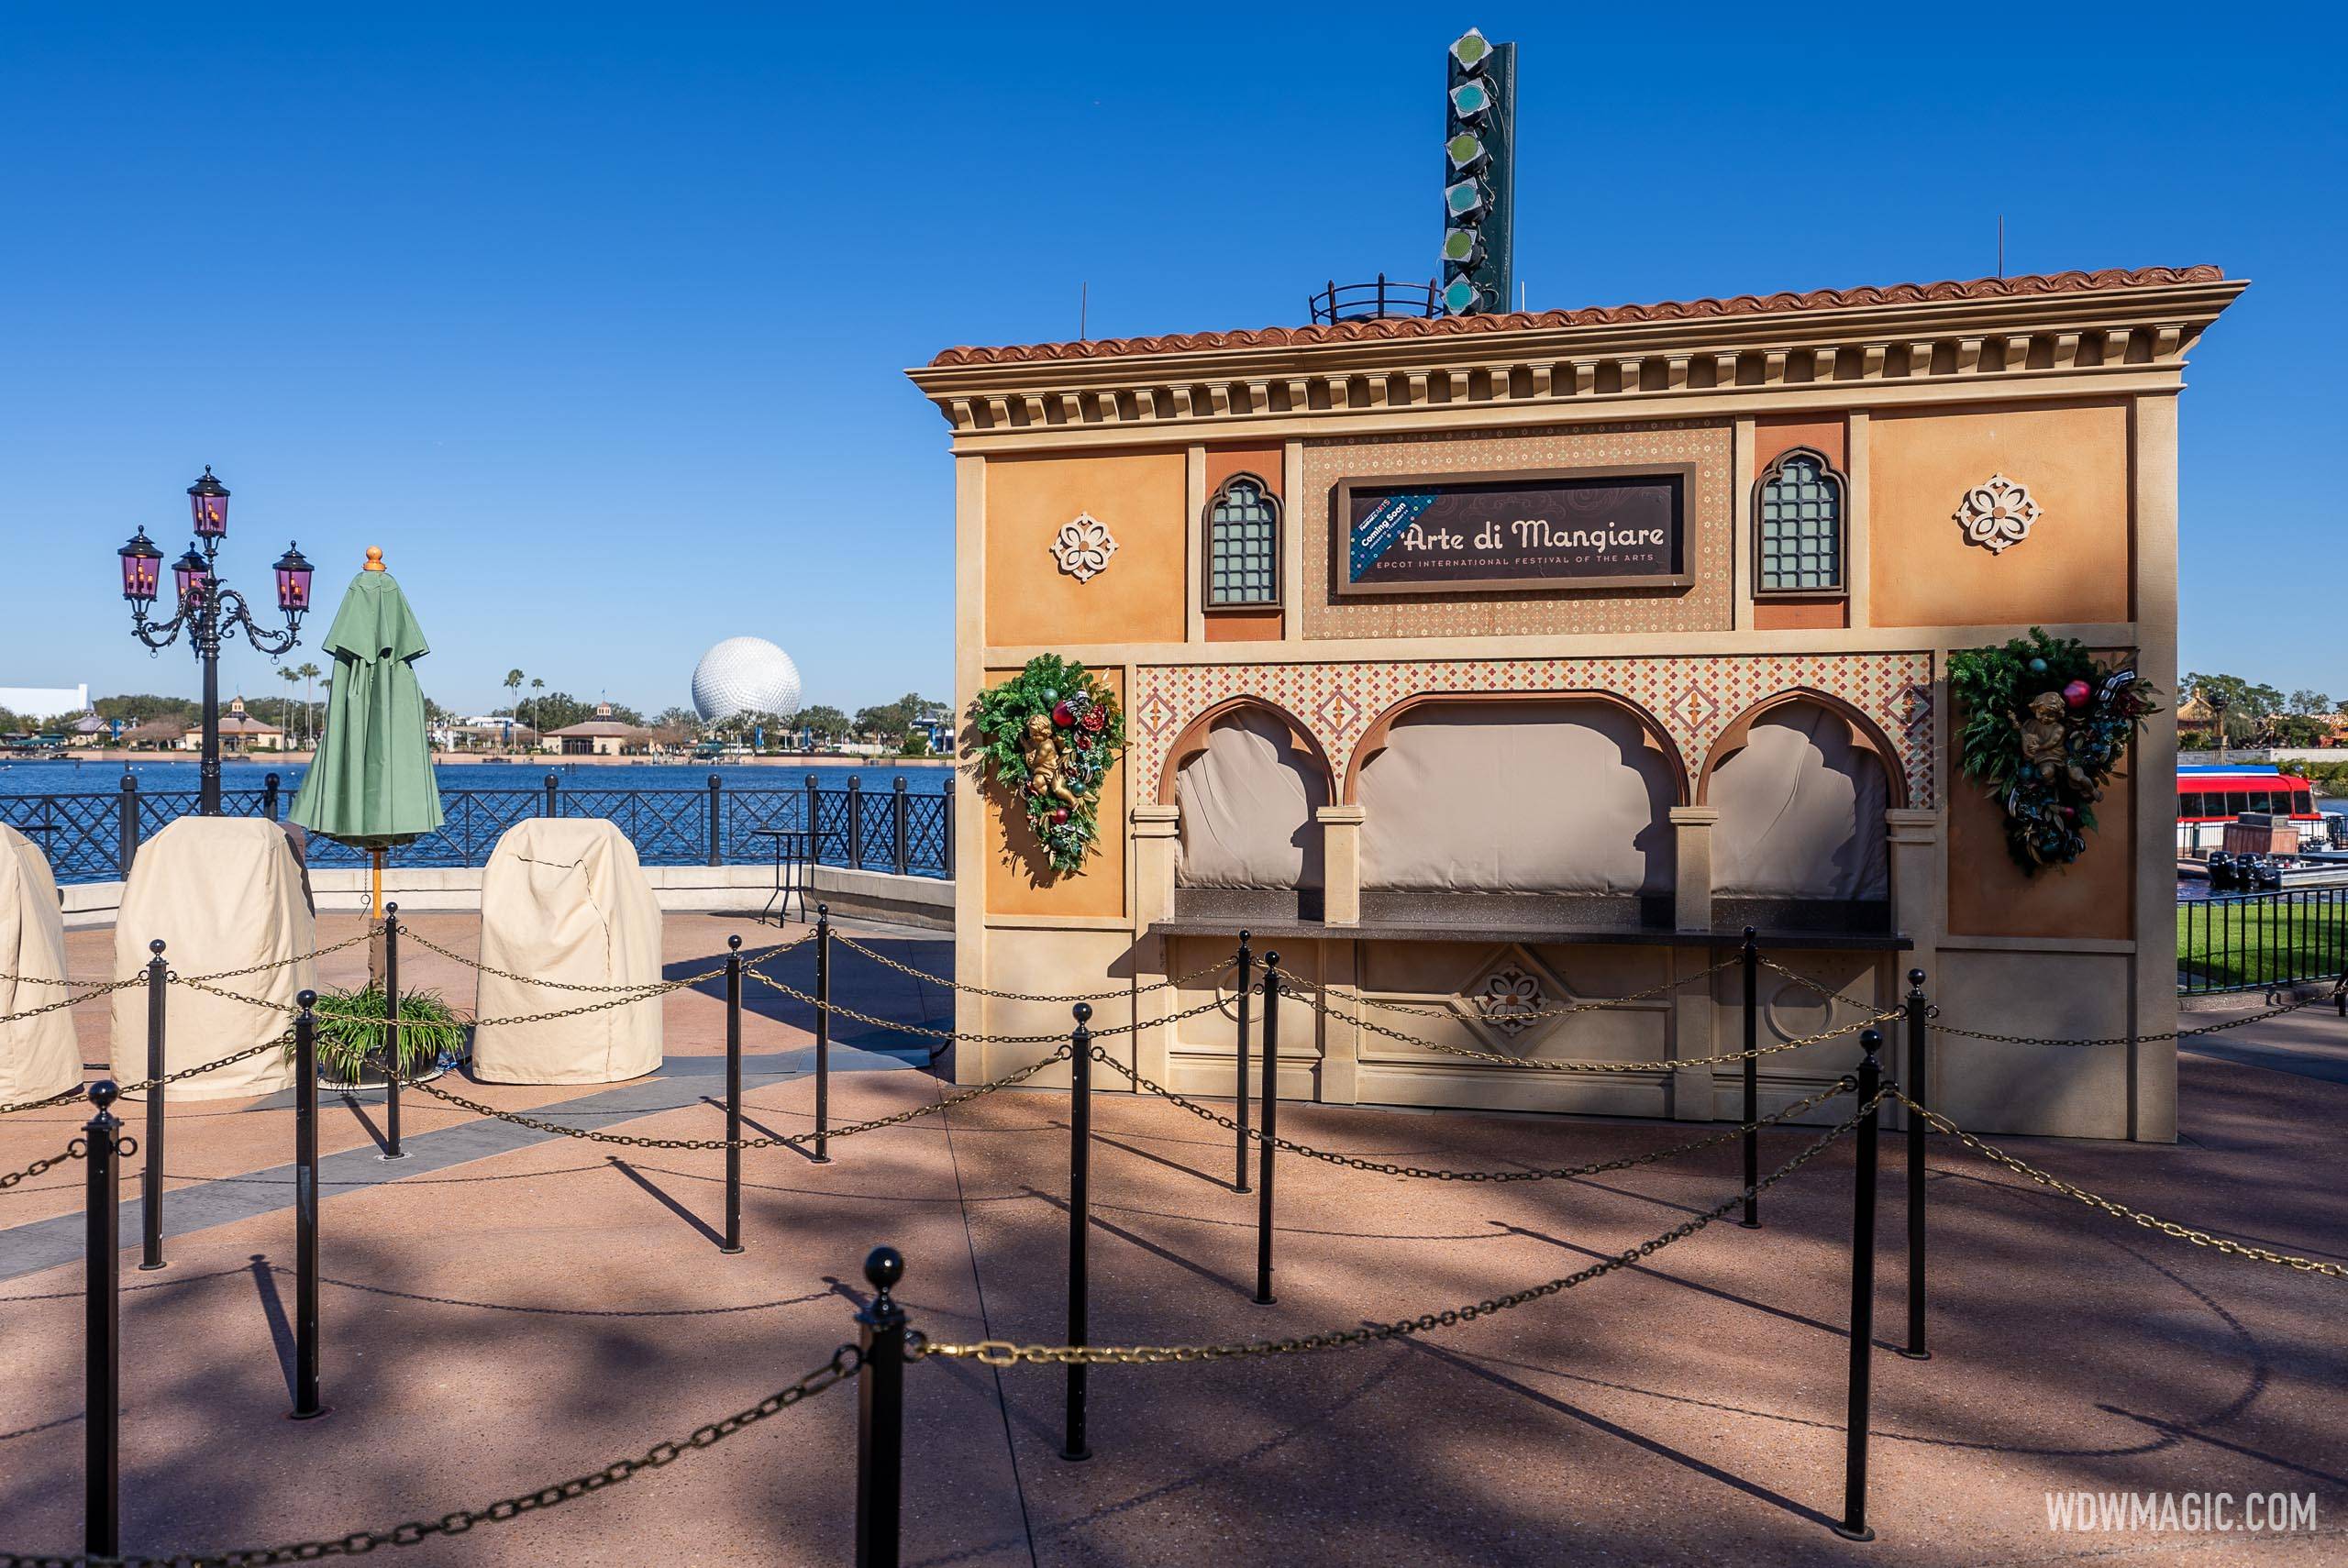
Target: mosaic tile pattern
{"type": "Point", "coordinates": [1694, 698]}
{"type": "Point", "coordinates": [1702, 606]}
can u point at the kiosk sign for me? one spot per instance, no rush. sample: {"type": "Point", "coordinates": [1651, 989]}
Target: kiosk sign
{"type": "Point", "coordinates": [1581, 528]}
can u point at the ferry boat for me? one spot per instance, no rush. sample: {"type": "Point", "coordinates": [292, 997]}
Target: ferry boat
{"type": "Point", "coordinates": [2209, 796]}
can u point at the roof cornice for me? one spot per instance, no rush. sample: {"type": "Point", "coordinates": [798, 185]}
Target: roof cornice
{"type": "Point", "coordinates": [2075, 322]}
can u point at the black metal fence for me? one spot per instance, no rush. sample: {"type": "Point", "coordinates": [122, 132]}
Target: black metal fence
{"type": "Point", "coordinates": [93, 837]}
{"type": "Point", "coordinates": [2258, 940]}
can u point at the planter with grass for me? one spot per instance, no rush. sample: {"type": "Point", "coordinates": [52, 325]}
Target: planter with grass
{"type": "Point", "coordinates": [350, 1037]}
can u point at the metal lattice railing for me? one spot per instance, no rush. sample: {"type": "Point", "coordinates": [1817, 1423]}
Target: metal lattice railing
{"type": "Point", "coordinates": [92, 836]}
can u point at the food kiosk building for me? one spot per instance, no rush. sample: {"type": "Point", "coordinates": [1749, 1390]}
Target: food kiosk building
{"type": "Point", "coordinates": [1479, 663]}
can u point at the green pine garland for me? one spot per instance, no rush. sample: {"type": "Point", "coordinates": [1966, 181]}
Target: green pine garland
{"type": "Point", "coordinates": [1088, 729]}
{"type": "Point", "coordinates": [2049, 763]}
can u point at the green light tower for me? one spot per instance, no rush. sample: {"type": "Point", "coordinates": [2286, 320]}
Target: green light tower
{"type": "Point", "coordinates": [1480, 176]}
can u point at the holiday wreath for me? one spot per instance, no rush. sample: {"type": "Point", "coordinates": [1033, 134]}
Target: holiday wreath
{"type": "Point", "coordinates": [2044, 728]}
{"type": "Point", "coordinates": [1050, 733]}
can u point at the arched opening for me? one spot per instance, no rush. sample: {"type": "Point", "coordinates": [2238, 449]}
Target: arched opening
{"type": "Point", "coordinates": [1552, 807]}
{"type": "Point", "coordinates": [1802, 783]}
{"type": "Point", "coordinates": [1248, 782]}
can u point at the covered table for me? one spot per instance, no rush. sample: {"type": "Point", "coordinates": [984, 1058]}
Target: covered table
{"type": "Point", "coordinates": [38, 1056]}
{"type": "Point", "coordinates": [564, 899]}
{"type": "Point", "coordinates": [224, 894]}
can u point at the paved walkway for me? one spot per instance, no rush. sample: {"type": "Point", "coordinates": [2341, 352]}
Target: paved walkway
{"type": "Point", "coordinates": [537, 1308]}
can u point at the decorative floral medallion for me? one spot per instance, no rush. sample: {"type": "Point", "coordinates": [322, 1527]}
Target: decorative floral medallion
{"type": "Point", "coordinates": [1997, 513]}
{"type": "Point", "coordinates": [1083, 548]}
{"type": "Point", "coordinates": [1508, 999]}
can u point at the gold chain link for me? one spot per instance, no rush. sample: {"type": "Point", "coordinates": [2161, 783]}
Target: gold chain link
{"type": "Point", "coordinates": [2120, 1211]}
{"type": "Point", "coordinates": [887, 962]}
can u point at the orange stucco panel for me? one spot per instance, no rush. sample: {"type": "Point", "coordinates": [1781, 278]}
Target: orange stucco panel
{"type": "Point", "coordinates": [1799, 614]}
{"type": "Point", "coordinates": [1142, 594]}
{"type": "Point", "coordinates": [1264, 462]}
{"type": "Point", "coordinates": [2073, 567]}
{"type": "Point", "coordinates": [1989, 896]}
{"type": "Point", "coordinates": [1773, 439]}
{"type": "Point", "coordinates": [1019, 881]}
{"type": "Point", "coordinates": [1242, 626]}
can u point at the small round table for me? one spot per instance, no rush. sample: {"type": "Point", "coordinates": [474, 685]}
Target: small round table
{"type": "Point", "coordinates": [790, 852]}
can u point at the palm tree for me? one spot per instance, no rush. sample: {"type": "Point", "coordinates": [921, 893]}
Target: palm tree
{"type": "Point", "coordinates": [309, 672]}
{"type": "Point", "coordinates": [288, 675]}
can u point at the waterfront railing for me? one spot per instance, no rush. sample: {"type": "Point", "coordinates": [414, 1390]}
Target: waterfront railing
{"type": "Point", "coordinates": [94, 836]}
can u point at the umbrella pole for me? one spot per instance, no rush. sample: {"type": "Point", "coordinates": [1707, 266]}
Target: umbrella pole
{"type": "Point", "coordinates": [375, 916]}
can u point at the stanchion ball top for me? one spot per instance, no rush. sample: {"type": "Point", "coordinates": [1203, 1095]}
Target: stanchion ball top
{"type": "Point", "coordinates": [156, 947]}
{"type": "Point", "coordinates": [104, 1093]}
{"type": "Point", "coordinates": [1916, 978]}
{"type": "Point", "coordinates": [306, 1000]}
{"type": "Point", "coordinates": [883, 1267]}
{"type": "Point", "coordinates": [1083, 1011]}
{"type": "Point", "coordinates": [734, 942]}
{"type": "Point", "coordinates": [1870, 1041]}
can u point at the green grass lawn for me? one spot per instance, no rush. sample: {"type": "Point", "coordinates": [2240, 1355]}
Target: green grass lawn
{"type": "Point", "coordinates": [2257, 942]}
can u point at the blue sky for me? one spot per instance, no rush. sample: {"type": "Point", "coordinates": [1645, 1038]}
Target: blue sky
{"type": "Point", "coordinates": [594, 317]}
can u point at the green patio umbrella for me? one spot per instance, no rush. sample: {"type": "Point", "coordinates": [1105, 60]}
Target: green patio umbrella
{"type": "Point", "coordinates": [371, 783]}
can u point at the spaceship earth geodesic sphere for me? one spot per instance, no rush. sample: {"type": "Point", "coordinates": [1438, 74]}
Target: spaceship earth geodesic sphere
{"type": "Point", "coordinates": [745, 675]}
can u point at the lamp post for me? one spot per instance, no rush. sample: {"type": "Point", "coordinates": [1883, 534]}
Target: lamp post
{"type": "Point", "coordinates": [2218, 708]}
{"type": "Point", "coordinates": [209, 610]}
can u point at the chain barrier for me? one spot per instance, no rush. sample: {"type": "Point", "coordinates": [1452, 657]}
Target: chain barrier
{"type": "Point", "coordinates": [96, 989]}
{"type": "Point", "coordinates": [1423, 1173]}
{"type": "Point", "coordinates": [844, 1364]}
{"type": "Point", "coordinates": [886, 962]}
{"type": "Point", "coordinates": [1004, 1353]}
{"type": "Point", "coordinates": [1996, 1155]}
{"type": "Point", "coordinates": [632, 1140]}
{"type": "Point", "coordinates": [1295, 987]}
{"type": "Point", "coordinates": [78, 1149]}
{"type": "Point", "coordinates": [648, 987]}
{"type": "Point", "coordinates": [841, 1010]}
{"type": "Point", "coordinates": [276, 1043]}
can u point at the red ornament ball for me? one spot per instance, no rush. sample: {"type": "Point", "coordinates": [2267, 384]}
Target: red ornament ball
{"type": "Point", "coordinates": [1059, 817]}
{"type": "Point", "coordinates": [2076, 693]}
{"type": "Point", "coordinates": [1061, 716]}
{"type": "Point", "coordinates": [1094, 720]}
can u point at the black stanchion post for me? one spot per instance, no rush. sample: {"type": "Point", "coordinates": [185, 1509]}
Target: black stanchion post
{"type": "Point", "coordinates": [1239, 1054]}
{"type": "Point", "coordinates": [126, 841]}
{"type": "Point", "coordinates": [1856, 1412]}
{"type": "Point", "coordinates": [151, 1177]}
{"type": "Point", "coordinates": [717, 820]}
{"type": "Point", "coordinates": [554, 784]}
{"type": "Point", "coordinates": [1080, 1221]}
{"type": "Point", "coordinates": [1751, 957]}
{"type": "Point", "coordinates": [903, 847]}
{"type": "Point", "coordinates": [393, 1050]}
{"type": "Point", "coordinates": [1271, 1128]}
{"type": "Point", "coordinates": [823, 1032]}
{"type": "Point", "coordinates": [733, 1095]}
{"type": "Point", "coordinates": [270, 784]}
{"type": "Point", "coordinates": [102, 1331]}
{"type": "Point", "coordinates": [1919, 1087]}
{"type": "Point", "coordinates": [881, 1414]}
{"type": "Point", "coordinates": [305, 1210]}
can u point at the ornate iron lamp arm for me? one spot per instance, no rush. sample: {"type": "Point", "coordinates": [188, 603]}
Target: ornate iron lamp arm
{"type": "Point", "coordinates": [156, 634]}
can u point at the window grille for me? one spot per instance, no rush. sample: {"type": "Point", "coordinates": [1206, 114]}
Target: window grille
{"type": "Point", "coordinates": [1800, 546]}
{"type": "Point", "coordinates": [1243, 544]}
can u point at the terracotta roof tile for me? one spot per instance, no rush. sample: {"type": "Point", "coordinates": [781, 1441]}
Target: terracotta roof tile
{"type": "Point", "coordinates": [1435, 326]}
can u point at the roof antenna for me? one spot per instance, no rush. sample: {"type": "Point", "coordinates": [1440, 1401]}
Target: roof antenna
{"type": "Point", "coordinates": [2001, 245]}
{"type": "Point", "coordinates": [1520, 296]}
{"type": "Point", "coordinates": [1083, 301]}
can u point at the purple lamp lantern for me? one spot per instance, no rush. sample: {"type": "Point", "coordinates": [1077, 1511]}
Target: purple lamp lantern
{"type": "Point", "coordinates": [293, 583]}
{"type": "Point", "coordinates": [142, 570]}
{"type": "Point", "coordinates": [192, 576]}
{"type": "Point", "coordinates": [207, 500]}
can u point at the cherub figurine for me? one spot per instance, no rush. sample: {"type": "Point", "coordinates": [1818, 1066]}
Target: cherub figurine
{"type": "Point", "coordinates": [2045, 747]}
{"type": "Point", "coordinates": [1044, 771]}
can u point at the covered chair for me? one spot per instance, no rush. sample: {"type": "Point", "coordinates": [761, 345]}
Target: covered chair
{"type": "Point", "coordinates": [564, 899]}
{"type": "Point", "coordinates": [224, 894]}
{"type": "Point", "coordinates": [38, 1056]}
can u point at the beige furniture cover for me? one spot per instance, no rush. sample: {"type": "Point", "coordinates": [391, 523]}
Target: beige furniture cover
{"type": "Point", "coordinates": [1532, 797]}
{"type": "Point", "coordinates": [1247, 802]}
{"type": "Point", "coordinates": [38, 1056]}
{"type": "Point", "coordinates": [1801, 810]}
{"type": "Point", "coordinates": [564, 899]}
{"type": "Point", "coordinates": [223, 893]}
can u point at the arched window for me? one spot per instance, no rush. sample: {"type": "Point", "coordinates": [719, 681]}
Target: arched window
{"type": "Point", "coordinates": [1243, 544]}
{"type": "Point", "coordinates": [1798, 522]}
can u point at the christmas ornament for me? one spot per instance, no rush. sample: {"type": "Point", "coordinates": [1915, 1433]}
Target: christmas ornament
{"type": "Point", "coordinates": [1050, 735]}
{"type": "Point", "coordinates": [2076, 694]}
{"type": "Point", "coordinates": [2043, 728]}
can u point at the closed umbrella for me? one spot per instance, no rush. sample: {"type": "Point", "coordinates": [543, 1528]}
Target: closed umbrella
{"type": "Point", "coordinates": [370, 782]}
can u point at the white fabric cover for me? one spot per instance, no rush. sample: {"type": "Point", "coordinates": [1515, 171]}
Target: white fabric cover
{"type": "Point", "coordinates": [1247, 802]}
{"type": "Point", "coordinates": [564, 899]}
{"type": "Point", "coordinates": [38, 1056]}
{"type": "Point", "coordinates": [1801, 810]}
{"type": "Point", "coordinates": [222, 893]}
{"type": "Point", "coordinates": [1535, 797]}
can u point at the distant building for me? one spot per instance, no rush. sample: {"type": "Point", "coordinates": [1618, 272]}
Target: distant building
{"type": "Point", "coordinates": [37, 702]}
{"type": "Point", "coordinates": [239, 731]}
{"type": "Point", "coordinates": [601, 735]}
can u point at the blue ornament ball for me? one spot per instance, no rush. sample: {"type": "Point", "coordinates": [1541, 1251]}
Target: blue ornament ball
{"type": "Point", "coordinates": [2037, 667]}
